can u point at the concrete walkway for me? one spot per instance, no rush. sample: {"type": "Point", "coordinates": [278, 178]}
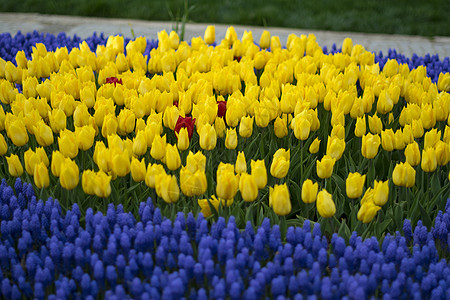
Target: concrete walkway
{"type": "Point", "coordinates": [84, 27]}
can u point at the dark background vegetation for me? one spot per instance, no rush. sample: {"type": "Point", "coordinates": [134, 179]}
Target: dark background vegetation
{"type": "Point", "coordinates": [413, 17]}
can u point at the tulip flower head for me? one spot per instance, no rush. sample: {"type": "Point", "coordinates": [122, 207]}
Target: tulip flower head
{"type": "Point", "coordinates": [309, 191]}
{"type": "Point", "coordinates": [280, 199]}
{"type": "Point", "coordinates": [280, 163]}
{"type": "Point", "coordinates": [325, 204]}
{"type": "Point", "coordinates": [354, 185]}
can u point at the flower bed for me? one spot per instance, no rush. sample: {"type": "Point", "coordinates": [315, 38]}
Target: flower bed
{"type": "Point", "coordinates": [265, 142]}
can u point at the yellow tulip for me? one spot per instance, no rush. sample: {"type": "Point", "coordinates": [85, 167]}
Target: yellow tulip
{"type": "Point", "coordinates": [227, 181]}
{"type": "Point", "coordinates": [309, 191]}
{"type": "Point", "coordinates": [259, 173]}
{"type": "Point", "coordinates": [325, 204]}
{"type": "Point", "coordinates": [139, 143]}
{"type": "Point", "coordinates": [429, 161]}
{"type": "Point", "coordinates": [280, 127]}
{"type": "Point", "coordinates": [43, 134]}
{"type": "Point", "coordinates": [431, 138]}
{"type": "Point", "coordinates": [375, 124]}
{"type": "Point", "coordinates": [325, 166]}
{"type": "Point", "coordinates": [442, 153]}
{"type": "Point", "coordinates": [427, 116]}
{"type": "Point", "coordinates": [301, 126]}
{"type": "Point", "coordinates": [57, 161]}
{"type": "Point", "coordinates": [367, 212]}
{"type": "Point", "coordinates": [69, 176]}
{"type": "Point", "coordinates": [88, 182]}
{"type": "Point", "coordinates": [262, 116]}
{"type": "Point", "coordinates": [248, 187]}
{"type": "Point", "coordinates": [264, 41]}
{"type": "Point", "coordinates": [399, 142]}
{"type": "Point", "coordinates": [17, 132]}
{"type": "Point", "coordinates": [110, 125]}
{"type": "Point", "coordinates": [388, 140]}
{"type": "Point", "coordinates": [417, 128]}
{"type": "Point", "coordinates": [172, 157]}
{"type": "Point", "coordinates": [57, 119]}
{"type": "Point", "coordinates": [246, 126]}
{"type": "Point", "coordinates": [354, 185]}
{"type": "Point", "coordinates": [81, 115]}
{"type": "Point", "coordinates": [443, 83]}
{"type": "Point", "coordinates": [138, 169]}
{"type": "Point", "coordinates": [380, 192]}
{"type": "Point", "coordinates": [3, 145]}
{"type": "Point", "coordinates": [219, 126]}
{"type": "Point", "coordinates": [67, 143]}
{"type": "Point", "coordinates": [231, 139]}
{"type": "Point", "coordinates": [280, 199]}
{"type": "Point", "coordinates": [193, 184]}
{"type": "Point", "coordinates": [370, 144]}
{"type": "Point", "coordinates": [280, 163]}
{"type": "Point", "coordinates": [85, 137]}
{"type": "Point", "coordinates": [241, 163]}
{"type": "Point", "coordinates": [167, 187]}
{"type": "Point", "coordinates": [404, 175]}
{"type": "Point", "coordinates": [102, 184]}
{"type": "Point", "coordinates": [14, 165]}
{"type": "Point", "coordinates": [335, 147]}
{"type": "Point", "coordinates": [314, 147]}
{"type": "Point", "coordinates": [127, 121]}
{"type": "Point", "coordinates": [183, 139]}
{"type": "Point", "coordinates": [152, 171]}
{"type": "Point", "coordinates": [196, 161]}
{"type": "Point", "coordinates": [360, 127]}
{"type": "Point", "coordinates": [208, 137]}
{"type": "Point", "coordinates": [158, 149]}
{"type": "Point", "coordinates": [210, 36]}
{"type": "Point", "coordinates": [412, 154]}
{"type": "Point", "coordinates": [120, 162]}
{"type": "Point", "coordinates": [40, 174]}
{"type": "Point", "coordinates": [31, 160]}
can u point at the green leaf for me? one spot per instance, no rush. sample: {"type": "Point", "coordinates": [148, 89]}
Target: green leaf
{"type": "Point", "coordinates": [344, 231]}
{"type": "Point", "coordinates": [424, 216]}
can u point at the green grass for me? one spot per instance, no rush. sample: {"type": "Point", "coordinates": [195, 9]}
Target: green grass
{"type": "Point", "coordinates": [415, 17]}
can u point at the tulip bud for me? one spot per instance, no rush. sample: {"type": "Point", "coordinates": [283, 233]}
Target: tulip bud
{"type": "Point", "coordinates": [259, 173]}
{"type": "Point", "coordinates": [138, 169]}
{"type": "Point", "coordinates": [241, 164]}
{"type": "Point", "coordinates": [280, 199]}
{"type": "Point", "coordinates": [380, 192]}
{"type": "Point", "coordinates": [301, 126]}
{"type": "Point", "coordinates": [57, 119]}
{"type": "Point", "coordinates": [40, 174]}
{"type": "Point", "coordinates": [429, 161]}
{"type": "Point", "coordinates": [309, 191]}
{"type": "Point", "coordinates": [431, 138]}
{"type": "Point", "coordinates": [325, 204]}
{"type": "Point", "coordinates": [443, 83]}
{"type": "Point", "coordinates": [354, 185]}
{"type": "Point", "coordinates": [280, 163]}
{"type": "Point", "coordinates": [412, 154]}
{"type": "Point", "coordinates": [14, 165]}
{"type": "Point", "coordinates": [127, 121]}
{"type": "Point", "coordinates": [69, 176]}
{"type": "Point", "coordinates": [196, 162]}
{"type": "Point", "coordinates": [85, 137]}
{"type": "Point", "coordinates": [193, 184]}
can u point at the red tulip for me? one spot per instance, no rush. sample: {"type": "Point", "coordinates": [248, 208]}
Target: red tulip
{"type": "Point", "coordinates": [222, 108]}
{"type": "Point", "coordinates": [114, 80]}
{"type": "Point", "coordinates": [187, 122]}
